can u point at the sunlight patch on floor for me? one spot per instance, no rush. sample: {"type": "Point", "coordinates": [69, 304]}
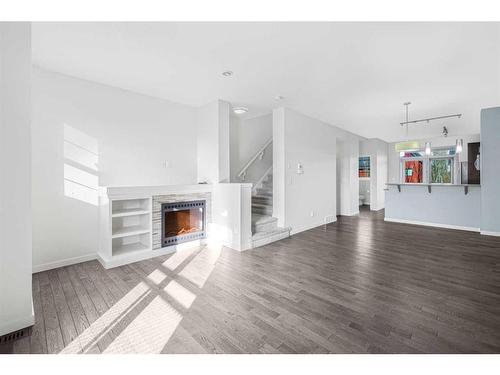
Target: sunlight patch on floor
{"type": "Point", "coordinates": [200, 268]}
{"type": "Point", "coordinates": [157, 277]}
{"type": "Point", "coordinates": [149, 331]}
{"type": "Point", "coordinates": [182, 295]}
{"type": "Point", "coordinates": [143, 321]}
{"type": "Point", "coordinates": [91, 336]}
{"type": "Point", "coordinates": [177, 258]}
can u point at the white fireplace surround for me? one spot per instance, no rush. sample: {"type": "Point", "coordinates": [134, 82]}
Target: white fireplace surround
{"type": "Point", "coordinates": [129, 222]}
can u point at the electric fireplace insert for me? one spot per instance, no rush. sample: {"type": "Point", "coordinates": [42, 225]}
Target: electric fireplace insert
{"type": "Point", "coordinates": [182, 222]}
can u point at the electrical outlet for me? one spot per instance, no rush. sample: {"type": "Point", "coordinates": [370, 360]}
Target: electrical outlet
{"type": "Point", "coordinates": [165, 164]}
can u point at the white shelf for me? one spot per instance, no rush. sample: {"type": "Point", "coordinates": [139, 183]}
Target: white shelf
{"type": "Point", "coordinates": [124, 207]}
{"type": "Point", "coordinates": [129, 212]}
{"type": "Point", "coordinates": [130, 248]}
{"type": "Point", "coordinates": [129, 231]}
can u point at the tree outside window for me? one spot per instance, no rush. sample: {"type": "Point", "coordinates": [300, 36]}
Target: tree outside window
{"type": "Point", "coordinates": [441, 171]}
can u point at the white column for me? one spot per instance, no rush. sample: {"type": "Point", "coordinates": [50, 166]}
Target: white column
{"type": "Point", "coordinates": [16, 308]}
{"type": "Point", "coordinates": [213, 142]}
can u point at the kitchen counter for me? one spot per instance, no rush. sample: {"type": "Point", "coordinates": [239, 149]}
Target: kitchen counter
{"type": "Point", "coordinates": [455, 206]}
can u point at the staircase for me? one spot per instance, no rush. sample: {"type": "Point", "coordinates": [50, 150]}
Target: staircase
{"type": "Point", "coordinates": [264, 226]}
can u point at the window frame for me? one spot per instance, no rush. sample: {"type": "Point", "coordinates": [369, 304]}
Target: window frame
{"type": "Point", "coordinates": [402, 169]}
{"type": "Point", "coordinates": [449, 157]}
{"type": "Point", "coordinates": [426, 159]}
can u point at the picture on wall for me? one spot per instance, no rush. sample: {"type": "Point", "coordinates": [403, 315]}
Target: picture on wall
{"type": "Point", "coordinates": [364, 167]}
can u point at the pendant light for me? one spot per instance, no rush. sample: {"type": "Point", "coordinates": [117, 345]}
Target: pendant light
{"type": "Point", "coordinates": [459, 146]}
{"type": "Point", "coordinates": [427, 148]}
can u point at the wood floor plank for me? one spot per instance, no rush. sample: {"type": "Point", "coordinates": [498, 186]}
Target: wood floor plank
{"type": "Point", "coordinates": [86, 305]}
{"type": "Point", "coordinates": [53, 332]}
{"type": "Point", "coordinates": [22, 346]}
{"type": "Point", "coordinates": [66, 323]}
{"type": "Point", "coordinates": [95, 305]}
{"type": "Point", "coordinates": [78, 315]}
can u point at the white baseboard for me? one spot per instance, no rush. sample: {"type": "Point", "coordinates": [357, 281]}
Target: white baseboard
{"type": "Point", "coordinates": [15, 325]}
{"type": "Point", "coordinates": [349, 214]}
{"type": "Point", "coordinates": [489, 233]}
{"type": "Point", "coordinates": [428, 224]}
{"type": "Point", "coordinates": [63, 263]}
{"type": "Point", "coordinates": [121, 260]}
{"type": "Point", "coordinates": [307, 227]}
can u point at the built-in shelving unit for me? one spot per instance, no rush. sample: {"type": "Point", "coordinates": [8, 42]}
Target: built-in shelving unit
{"type": "Point", "coordinates": [131, 225]}
{"type": "Point", "coordinates": [126, 226]}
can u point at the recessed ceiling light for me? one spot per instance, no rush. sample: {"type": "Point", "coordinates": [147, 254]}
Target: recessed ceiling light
{"type": "Point", "coordinates": [240, 110]}
{"type": "Point", "coordinates": [227, 73]}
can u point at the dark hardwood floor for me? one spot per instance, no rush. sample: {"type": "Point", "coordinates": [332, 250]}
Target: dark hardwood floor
{"type": "Point", "coordinates": [360, 285]}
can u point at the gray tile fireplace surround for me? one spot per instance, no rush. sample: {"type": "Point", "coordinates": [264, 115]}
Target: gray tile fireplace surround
{"type": "Point", "coordinates": [159, 199]}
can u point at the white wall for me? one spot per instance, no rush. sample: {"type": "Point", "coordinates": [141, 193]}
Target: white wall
{"type": "Point", "coordinates": [377, 150]}
{"type": "Point", "coordinates": [87, 134]}
{"type": "Point", "coordinates": [224, 141]}
{"type": "Point", "coordinates": [382, 173]}
{"type": "Point", "coordinates": [279, 166]}
{"type": "Point", "coordinates": [303, 201]}
{"type": "Point", "coordinates": [347, 161]}
{"type": "Point", "coordinates": [364, 190]}
{"type": "Point", "coordinates": [232, 215]}
{"type": "Point", "coordinates": [16, 308]}
{"type": "Point", "coordinates": [393, 155]}
{"type": "Point", "coordinates": [247, 137]}
{"type": "Point", "coordinates": [212, 133]}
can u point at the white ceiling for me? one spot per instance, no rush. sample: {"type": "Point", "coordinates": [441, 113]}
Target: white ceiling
{"type": "Point", "coordinates": [352, 75]}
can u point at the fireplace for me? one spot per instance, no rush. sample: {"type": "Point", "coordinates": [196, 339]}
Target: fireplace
{"type": "Point", "coordinates": [182, 222]}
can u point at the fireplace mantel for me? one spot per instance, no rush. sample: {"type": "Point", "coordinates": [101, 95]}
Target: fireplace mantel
{"type": "Point", "coordinates": [128, 192]}
{"type": "Point", "coordinates": [130, 219]}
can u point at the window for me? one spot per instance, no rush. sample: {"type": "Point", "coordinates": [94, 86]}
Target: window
{"type": "Point", "coordinates": [441, 171]}
{"type": "Point", "coordinates": [413, 171]}
{"type": "Point", "coordinates": [443, 152]}
{"type": "Point", "coordinates": [437, 168]}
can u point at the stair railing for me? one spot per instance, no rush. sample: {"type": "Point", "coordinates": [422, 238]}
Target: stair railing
{"type": "Point", "coordinates": [258, 155]}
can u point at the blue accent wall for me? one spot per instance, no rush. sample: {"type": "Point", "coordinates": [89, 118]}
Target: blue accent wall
{"type": "Point", "coordinates": [490, 170]}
